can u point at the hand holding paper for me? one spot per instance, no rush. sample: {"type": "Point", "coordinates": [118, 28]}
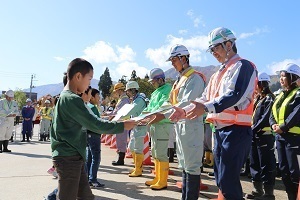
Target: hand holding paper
{"type": "Point", "coordinates": [129, 124]}
{"type": "Point", "coordinates": [157, 117]}
{"type": "Point", "coordinates": [177, 114]}
{"type": "Point", "coordinates": [194, 110]}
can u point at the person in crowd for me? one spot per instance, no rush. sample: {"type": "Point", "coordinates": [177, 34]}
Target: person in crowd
{"type": "Point", "coordinates": [262, 157]}
{"type": "Point", "coordinates": [121, 139]}
{"type": "Point", "coordinates": [159, 129]}
{"type": "Point", "coordinates": [93, 144]}
{"type": "Point", "coordinates": [27, 114]}
{"type": "Point", "coordinates": [46, 114]}
{"type": "Point", "coordinates": [68, 141]}
{"type": "Point", "coordinates": [8, 111]}
{"type": "Point", "coordinates": [228, 100]}
{"type": "Point", "coordinates": [189, 133]}
{"type": "Point", "coordinates": [111, 106]}
{"type": "Point", "coordinates": [284, 121]}
{"type": "Point", "coordinates": [136, 143]}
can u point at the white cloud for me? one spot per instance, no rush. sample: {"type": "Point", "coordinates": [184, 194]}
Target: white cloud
{"type": "Point", "coordinates": [126, 68]}
{"type": "Point", "coordinates": [277, 66]}
{"type": "Point", "coordinates": [182, 32]}
{"type": "Point", "coordinates": [125, 54]}
{"type": "Point", "coordinates": [196, 19]}
{"type": "Point", "coordinates": [58, 58]}
{"type": "Point", "coordinates": [196, 46]}
{"type": "Point", "coordinates": [256, 32]}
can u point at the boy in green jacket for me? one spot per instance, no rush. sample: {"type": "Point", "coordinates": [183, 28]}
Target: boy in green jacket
{"type": "Point", "coordinates": [68, 142]}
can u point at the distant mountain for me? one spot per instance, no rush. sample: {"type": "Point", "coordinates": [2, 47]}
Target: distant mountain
{"type": "Point", "coordinates": [54, 89]}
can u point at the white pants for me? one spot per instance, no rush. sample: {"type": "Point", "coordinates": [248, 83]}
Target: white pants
{"type": "Point", "coordinates": [6, 128]}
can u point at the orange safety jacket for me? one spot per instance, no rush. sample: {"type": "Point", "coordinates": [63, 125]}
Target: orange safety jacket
{"type": "Point", "coordinates": [178, 84]}
{"type": "Point", "coordinates": [238, 117]}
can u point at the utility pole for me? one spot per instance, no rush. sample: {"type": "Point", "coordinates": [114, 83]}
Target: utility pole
{"type": "Point", "coordinates": [31, 86]}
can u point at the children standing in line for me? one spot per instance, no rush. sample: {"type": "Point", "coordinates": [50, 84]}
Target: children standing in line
{"type": "Point", "coordinates": [68, 142]}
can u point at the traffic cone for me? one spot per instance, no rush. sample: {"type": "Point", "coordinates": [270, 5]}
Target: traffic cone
{"type": "Point", "coordinates": [113, 144]}
{"type": "Point", "coordinates": [108, 139]}
{"type": "Point", "coordinates": [103, 136]}
{"type": "Point", "coordinates": [128, 153]}
{"type": "Point", "coordinates": [146, 151]}
{"type": "Point", "coordinates": [220, 196]}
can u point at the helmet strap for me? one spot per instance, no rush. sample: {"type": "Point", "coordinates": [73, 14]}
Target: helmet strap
{"type": "Point", "coordinates": [183, 63]}
{"type": "Point", "coordinates": [227, 51]}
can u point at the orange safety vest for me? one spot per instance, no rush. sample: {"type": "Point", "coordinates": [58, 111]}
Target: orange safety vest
{"type": "Point", "coordinates": [239, 117]}
{"type": "Point", "coordinates": [178, 84]}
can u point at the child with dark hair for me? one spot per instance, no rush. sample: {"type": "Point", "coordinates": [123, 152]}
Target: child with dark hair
{"type": "Point", "coordinates": [68, 141]}
{"type": "Point", "coordinates": [93, 149]}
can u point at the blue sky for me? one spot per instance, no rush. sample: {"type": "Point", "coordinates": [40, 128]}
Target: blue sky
{"type": "Point", "coordinates": [42, 37]}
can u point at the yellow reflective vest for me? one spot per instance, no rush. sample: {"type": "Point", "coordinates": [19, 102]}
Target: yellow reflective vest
{"type": "Point", "coordinates": [280, 116]}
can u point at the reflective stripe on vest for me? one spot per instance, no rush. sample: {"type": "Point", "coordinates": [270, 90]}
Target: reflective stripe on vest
{"type": "Point", "coordinates": [175, 89]}
{"type": "Point", "coordinates": [240, 117]}
{"type": "Point", "coordinates": [47, 116]}
{"type": "Point", "coordinates": [279, 117]}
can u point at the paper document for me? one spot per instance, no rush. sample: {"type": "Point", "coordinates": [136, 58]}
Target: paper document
{"type": "Point", "coordinates": [124, 111]}
{"type": "Point", "coordinates": [162, 110]}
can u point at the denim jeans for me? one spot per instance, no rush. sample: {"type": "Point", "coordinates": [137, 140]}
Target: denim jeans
{"type": "Point", "coordinates": [72, 178]}
{"type": "Point", "coordinates": [93, 153]}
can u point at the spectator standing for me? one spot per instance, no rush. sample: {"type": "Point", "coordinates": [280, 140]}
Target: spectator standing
{"type": "Point", "coordinates": [27, 114]}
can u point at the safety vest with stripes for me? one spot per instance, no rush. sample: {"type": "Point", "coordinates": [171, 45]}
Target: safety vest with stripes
{"type": "Point", "coordinates": [176, 87]}
{"type": "Point", "coordinates": [46, 113]}
{"type": "Point", "coordinates": [280, 116]}
{"type": "Point", "coordinates": [238, 117]}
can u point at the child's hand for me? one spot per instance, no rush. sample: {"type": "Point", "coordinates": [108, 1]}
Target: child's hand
{"type": "Point", "coordinates": [129, 124]}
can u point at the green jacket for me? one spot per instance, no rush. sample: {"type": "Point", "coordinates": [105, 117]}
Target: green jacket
{"type": "Point", "coordinates": [158, 97]}
{"type": "Point", "coordinates": [70, 115]}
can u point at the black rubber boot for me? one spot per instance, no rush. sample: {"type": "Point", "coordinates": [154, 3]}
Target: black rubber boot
{"type": "Point", "coordinates": [183, 189]}
{"type": "Point", "coordinates": [192, 186]}
{"type": "Point", "coordinates": [269, 193]}
{"type": "Point", "coordinates": [257, 192]}
{"type": "Point", "coordinates": [5, 145]}
{"type": "Point", "coordinates": [120, 160]}
{"type": "Point", "coordinates": [171, 154]}
{"type": "Point", "coordinates": [1, 143]}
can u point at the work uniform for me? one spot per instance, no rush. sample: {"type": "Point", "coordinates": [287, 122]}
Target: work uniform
{"type": "Point", "coordinates": [189, 133]}
{"type": "Point", "coordinates": [121, 138]}
{"type": "Point", "coordinates": [46, 114]}
{"type": "Point", "coordinates": [28, 113]}
{"type": "Point", "coordinates": [229, 102]}
{"type": "Point", "coordinates": [286, 113]}
{"type": "Point", "coordinates": [6, 123]}
{"type": "Point", "coordinates": [262, 157]}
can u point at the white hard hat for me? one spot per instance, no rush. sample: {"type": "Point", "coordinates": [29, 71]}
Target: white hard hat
{"type": "Point", "coordinates": [10, 93]}
{"type": "Point", "coordinates": [132, 85]}
{"type": "Point", "coordinates": [47, 101]}
{"type": "Point", "coordinates": [263, 77]}
{"type": "Point", "coordinates": [291, 68]}
{"type": "Point", "coordinates": [156, 73]}
{"type": "Point", "coordinates": [220, 35]}
{"type": "Point", "coordinates": [178, 50]}
{"type": "Point", "coordinates": [28, 100]}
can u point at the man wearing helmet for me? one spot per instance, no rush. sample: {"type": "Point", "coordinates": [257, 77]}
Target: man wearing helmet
{"type": "Point", "coordinates": [46, 114]}
{"type": "Point", "coordinates": [27, 114]}
{"type": "Point", "coordinates": [121, 139]}
{"type": "Point", "coordinates": [8, 111]}
{"type": "Point", "coordinates": [136, 144]}
{"type": "Point", "coordinates": [228, 100]}
{"type": "Point", "coordinates": [284, 121]}
{"type": "Point", "coordinates": [189, 133]}
{"type": "Point", "coordinates": [159, 132]}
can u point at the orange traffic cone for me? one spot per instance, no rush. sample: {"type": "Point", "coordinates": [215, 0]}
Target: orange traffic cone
{"type": "Point", "coordinates": [103, 137]}
{"type": "Point", "coordinates": [113, 144]}
{"type": "Point", "coordinates": [146, 151]}
{"type": "Point", "coordinates": [128, 153]}
{"type": "Point", "coordinates": [220, 196]}
{"type": "Point", "coordinates": [108, 139]}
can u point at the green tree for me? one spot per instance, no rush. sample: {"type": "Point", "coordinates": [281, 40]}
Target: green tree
{"type": "Point", "coordinates": [105, 83]}
{"type": "Point", "coordinates": [20, 98]}
{"type": "Point", "coordinates": [123, 80]}
{"type": "Point", "coordinates": [146, 77]}
{"type": "Point", "coordinates": [145, 87]}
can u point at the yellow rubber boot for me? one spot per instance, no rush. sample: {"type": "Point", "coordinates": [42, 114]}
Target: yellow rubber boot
{"type": "Point", "coordinates": [163, 176]}
{"type": "Point", "coordinates": [156, 168]}
{"type": "Point", "coordinates": [211, 158]}
{"type": "Point", "coordinates": [133, 157]}
{"type": "Point", "coordinates": [206, 158]}
{"type": "Point", "coordinates": [139, 158]}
